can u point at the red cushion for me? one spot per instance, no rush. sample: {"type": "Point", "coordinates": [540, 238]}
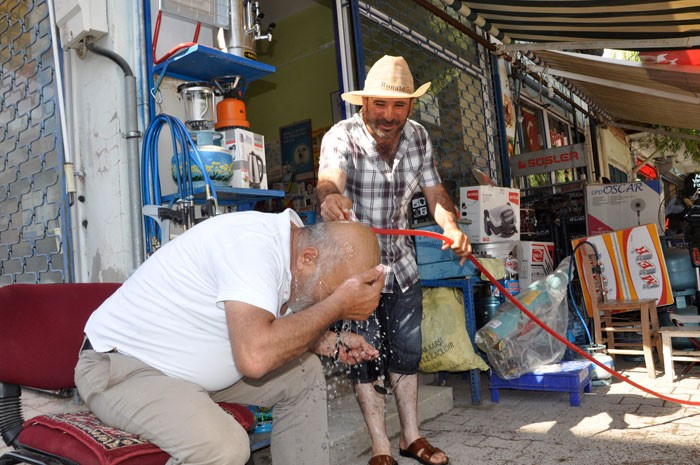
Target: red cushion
{"type": "Point", "coordinates": [42, 330]}
{"type": "Point", "coordinates": [83, 438]}
{"type": "Point", "coordinates": [241, 413]}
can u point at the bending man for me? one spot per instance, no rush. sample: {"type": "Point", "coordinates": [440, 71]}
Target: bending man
{"type": "Point", "coordinates": [229, 312]}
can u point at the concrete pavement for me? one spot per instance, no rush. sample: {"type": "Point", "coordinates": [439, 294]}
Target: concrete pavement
{"type": "Point", "coordinates": [615, 424]}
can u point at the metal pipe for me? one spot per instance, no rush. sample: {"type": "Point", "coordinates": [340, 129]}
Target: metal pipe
{"type": "Point", "coordinates": [59, 83]}
{"type": "Point", "coordinates": [132, 135]}
{"type": "Point", "coordinates": [457, 25]}
{"type": "Point", "coordinates": [594, 148]}
{"type": "Point", "coordinates": [64, 143]}
{"type": "Point", "coordinates": [112, 56]}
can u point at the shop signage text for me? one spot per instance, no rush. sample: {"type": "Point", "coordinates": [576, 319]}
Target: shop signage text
{"type": "Point", "coordinates": [544, 161]}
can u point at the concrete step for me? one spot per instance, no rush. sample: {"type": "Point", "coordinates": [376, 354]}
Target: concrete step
{"type": "Point", "coordinates": [349, 437]}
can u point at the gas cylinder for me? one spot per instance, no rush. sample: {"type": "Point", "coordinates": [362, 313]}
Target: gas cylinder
{"type": "Point", "coordinates": [600, 376]}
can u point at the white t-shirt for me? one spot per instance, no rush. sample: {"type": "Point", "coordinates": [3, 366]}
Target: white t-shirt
{"type": "Point", "coordinates": [170, 312]}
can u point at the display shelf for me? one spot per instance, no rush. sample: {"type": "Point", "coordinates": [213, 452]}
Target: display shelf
{"type": "Point", "coordinates": [202, 63]}
{"type": "Point", "coordinates": [244, 199]}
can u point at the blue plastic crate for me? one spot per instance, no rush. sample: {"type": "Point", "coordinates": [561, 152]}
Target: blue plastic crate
{"type": "Point", "coordinates": [429, 250]}
{"type": "Point", "coordinates": [572, 377]}
{"type": "Point", "coordinates": [435, 263]}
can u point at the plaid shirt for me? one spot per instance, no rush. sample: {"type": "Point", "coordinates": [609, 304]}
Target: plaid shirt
{"type": "Point", "coordinates": [381, 194]}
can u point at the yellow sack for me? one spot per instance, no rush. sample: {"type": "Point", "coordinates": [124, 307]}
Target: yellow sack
{"type": "Point", "coordinates": [446, 344]}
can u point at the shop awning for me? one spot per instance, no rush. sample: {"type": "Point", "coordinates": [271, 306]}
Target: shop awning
{"type": "Point", "coordinates": [626, 92]}
{"type": "Point", "coordinates": [586, 24]}
{"type": "Point", "coordinates": [631, 92]}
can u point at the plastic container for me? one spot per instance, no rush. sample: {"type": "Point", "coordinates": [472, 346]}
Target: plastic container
{"type": "Point", "coordinates": [600, 376]}
{"type": "Point", "coordinates": [263, 419]}
{"type": "Point", "coordinates": [218, 163]}
{"type": "Point", "coordinates": [515, 345]}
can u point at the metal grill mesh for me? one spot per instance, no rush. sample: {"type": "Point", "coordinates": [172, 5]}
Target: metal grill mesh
{"type": "Point", "coordinates": [30, 174]}
{"type": "Point", "coordinates": [457, 110]}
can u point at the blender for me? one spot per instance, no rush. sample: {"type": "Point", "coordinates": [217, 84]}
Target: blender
{"type": "Point", "coordinates": [198, 98]}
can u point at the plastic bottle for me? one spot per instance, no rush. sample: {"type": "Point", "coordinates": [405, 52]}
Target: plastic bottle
{"type": "Point", "coordinates": [508, 317]}
{"type": "Point", "coordinates": [503, 339]}
{"type": "Point", "coordinates": [512, 283]}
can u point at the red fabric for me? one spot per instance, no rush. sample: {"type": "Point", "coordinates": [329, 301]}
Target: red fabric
{"type": "Point", "coordinates": [42, 330]}
{"type": "Point", "coordinates": [241, 413]}
{"type": "Point", "coordinates": [671, 57]}
{"type": "Point", "coordinates": [83, 438]}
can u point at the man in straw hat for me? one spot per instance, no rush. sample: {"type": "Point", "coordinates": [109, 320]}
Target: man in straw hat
{"type": "Point", "coordinates": [371, 165]}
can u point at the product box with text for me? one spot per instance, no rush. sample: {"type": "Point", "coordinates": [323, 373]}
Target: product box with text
{"type": "Point", "coordinates": [494, 213]}
{"type": "Point", "coordinates": [248, 150]}
{"type": "Point", "coordinates": [535, 261]}
{"type": "Point", "coordinates": [632, 265]}
{"type": "Point", "coordinates": [611, 207]}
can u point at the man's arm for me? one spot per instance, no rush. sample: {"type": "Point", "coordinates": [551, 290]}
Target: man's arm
{"type": "Point", "coordinates": [443, 210]}
{"type": "Point", "coordinates": [262, 343]}
{"type": "Point", "coordinates": [334, 205]}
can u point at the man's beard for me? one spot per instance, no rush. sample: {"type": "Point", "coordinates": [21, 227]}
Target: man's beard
{"type": "Point", "coordinates": [374, 124]}
{"type": "Point", "coordinates": [386, 143]}
{"type": "Point", "coordinates": [304, 292]}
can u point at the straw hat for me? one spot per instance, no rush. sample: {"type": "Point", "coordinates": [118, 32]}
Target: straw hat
{"type": "Point", "coordinates": [389, 77]}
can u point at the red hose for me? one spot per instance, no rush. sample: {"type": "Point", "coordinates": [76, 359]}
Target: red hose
{"type": "Point", "coordinates": [540, 323]}
{"type": "Point", "coordinates": [175, 49]}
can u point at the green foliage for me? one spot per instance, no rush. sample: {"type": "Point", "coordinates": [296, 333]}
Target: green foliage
{"type": "Point", "coordinates": [669, 144]}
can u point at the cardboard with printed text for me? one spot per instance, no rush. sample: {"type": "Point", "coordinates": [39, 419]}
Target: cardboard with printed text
{"type": "Point", "coordinates": [632, 265]}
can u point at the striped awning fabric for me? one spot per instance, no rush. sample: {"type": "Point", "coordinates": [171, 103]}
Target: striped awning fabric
{"type": "Point", "coordinates": [677, 22]}
{"type": "Point", "coordinates": [631, 92]}
{"type": "Point", "coordinates": [618, 92]}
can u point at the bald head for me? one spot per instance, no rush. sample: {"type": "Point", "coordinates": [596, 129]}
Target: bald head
{"type": "Point", "coordinates": [343, 247]}
{"type": "Point", "coordinates": [325, 255]}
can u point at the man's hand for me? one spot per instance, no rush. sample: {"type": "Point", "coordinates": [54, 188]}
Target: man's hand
{"type": "Point", "coordinates": [336, 207]}
{"type": "Point", "coordinates": [354, 349]}
{"type": "Point", "coordinates": [460, 245]}
{"type": "Point", "coordinates": [359, 295]}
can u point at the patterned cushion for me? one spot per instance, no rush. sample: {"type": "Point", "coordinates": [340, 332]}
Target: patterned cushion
{"type": "Point", "coordinates": [84, 439]}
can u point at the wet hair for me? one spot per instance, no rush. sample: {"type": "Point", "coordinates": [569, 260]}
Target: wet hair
{"type": "Point", "coordinates": [319, 235]}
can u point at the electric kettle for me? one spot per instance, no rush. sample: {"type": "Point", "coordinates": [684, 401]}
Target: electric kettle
{"type": "Point", "coordinates": [256, 170]}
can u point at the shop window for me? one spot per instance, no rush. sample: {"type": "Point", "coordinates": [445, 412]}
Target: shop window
{"type": "Point", "coordinates": [533, 128]}
{"type": "Point", "coordinates": [616, 174]}
{"type": "Point", "coordinates": [558, 132]}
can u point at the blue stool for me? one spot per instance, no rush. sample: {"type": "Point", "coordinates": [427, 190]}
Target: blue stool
{"type": "Point", "coordinates": [572, 377]}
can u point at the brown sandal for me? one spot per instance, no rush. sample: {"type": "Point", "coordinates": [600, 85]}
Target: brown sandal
{"type": "Point", "coordinates": [422, 451]}
{"type": "Point", "coordinates": [382, 460]}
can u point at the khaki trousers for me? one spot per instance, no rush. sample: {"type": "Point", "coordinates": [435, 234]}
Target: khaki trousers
{"type": "Point", "coordinates": [183, 419]}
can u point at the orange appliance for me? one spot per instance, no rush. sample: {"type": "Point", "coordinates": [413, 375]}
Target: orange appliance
{"type": "Point", "coordinates": [230, 112]}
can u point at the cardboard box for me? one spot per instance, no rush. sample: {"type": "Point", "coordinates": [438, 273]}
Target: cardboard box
{"type": "Point", "coordinates": [494, 213]}
{"type": "Point", "coordinates": [632, 264]}
{"type": "Point", "coordinates": [535, 261]}
{"type": "Point", "coordinates": [435, 263]}
{"type": "Point", "coordinates": [248, 150]}
{"type": "Point", "coordinates": [611, 207]}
